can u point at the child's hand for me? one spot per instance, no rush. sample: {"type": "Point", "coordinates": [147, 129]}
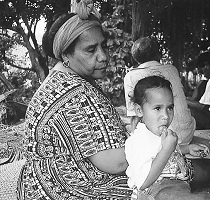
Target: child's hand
{"type": "Point", "coordinates": [169, 139]}
{"type": "Point", "coordinates": [198, 150]}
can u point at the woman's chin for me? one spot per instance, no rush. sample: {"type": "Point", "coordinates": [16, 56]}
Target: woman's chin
{"type": "Point", "coordinates": [99, 75]}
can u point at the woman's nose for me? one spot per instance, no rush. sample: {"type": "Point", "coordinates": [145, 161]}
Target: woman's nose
{"type": "Point", "coordinates": [102, 55]}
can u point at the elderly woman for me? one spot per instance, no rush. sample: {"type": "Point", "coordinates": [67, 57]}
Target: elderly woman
{"type": "Point", "coordinates": [74, 136]}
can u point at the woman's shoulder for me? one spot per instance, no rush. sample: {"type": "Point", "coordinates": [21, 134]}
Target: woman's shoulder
{"type": "Point", "coordinates": [57, 85]}
{"type": "Point", "coordinates": [60, 80]}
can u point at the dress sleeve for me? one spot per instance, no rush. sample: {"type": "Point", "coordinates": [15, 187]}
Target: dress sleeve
{"type": "Point", "coordinates": [73, 118]}
{"type": "Point", "coordinates": [94, 122]}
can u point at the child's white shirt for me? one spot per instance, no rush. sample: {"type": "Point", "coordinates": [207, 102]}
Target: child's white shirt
{"type": "Point", "coordinates": [140, 148]}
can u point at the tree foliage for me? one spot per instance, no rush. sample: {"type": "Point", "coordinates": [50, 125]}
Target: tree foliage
{"type": "Point", "coordinates": [182, 27]}
{"type": "Point", "coordinates": [21, 17]}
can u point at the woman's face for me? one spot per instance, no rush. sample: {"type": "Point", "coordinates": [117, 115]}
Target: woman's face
{"type": "Point", "coordinates": [90, 56]}
{"type": "Point", "coordinates": [158, 111]}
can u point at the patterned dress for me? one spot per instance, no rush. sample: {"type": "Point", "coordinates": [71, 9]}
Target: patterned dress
{"type": "Point", "coordinates": [67, 121]}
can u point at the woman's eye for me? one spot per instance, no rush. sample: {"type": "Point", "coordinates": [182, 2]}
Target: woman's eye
{"type": "Point", "coordinates": [91, 50]}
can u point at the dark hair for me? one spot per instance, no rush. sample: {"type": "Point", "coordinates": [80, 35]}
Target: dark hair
{"type": "Point", "coordinates": [144, 84]}
{"type": "Point", "coordinates": [145, 49]}
{"type": "Point", "coordinates": [52, 28]}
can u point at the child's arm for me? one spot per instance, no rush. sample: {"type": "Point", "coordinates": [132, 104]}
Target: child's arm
{"type": "Point", "coordinates": [169, 142]}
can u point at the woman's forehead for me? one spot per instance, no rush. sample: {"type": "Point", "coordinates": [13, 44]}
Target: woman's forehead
{"type": "Point", "coordinates": [92, 35]}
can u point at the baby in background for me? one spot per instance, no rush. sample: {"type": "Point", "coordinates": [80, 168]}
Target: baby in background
{"type": "Point", "coordinates": [152, 151]}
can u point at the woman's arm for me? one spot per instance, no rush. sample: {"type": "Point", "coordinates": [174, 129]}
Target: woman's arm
{"type": "Point", "coordinates": [110, 161]}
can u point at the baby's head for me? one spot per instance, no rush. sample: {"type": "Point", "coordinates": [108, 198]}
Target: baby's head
{"type": "Point", "coordinates": [145, 49]}
{"type": "Point", "coordinates": [154, 103]}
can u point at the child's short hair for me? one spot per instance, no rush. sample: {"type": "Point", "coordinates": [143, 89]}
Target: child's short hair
{"type": "Point", "coordinates": [139, 95]}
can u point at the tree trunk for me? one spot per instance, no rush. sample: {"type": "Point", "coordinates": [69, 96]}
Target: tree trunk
{"type": "Point", "coordinates": [177, 38]}
{"type": "Point", "coordinates": [35, 57]}
{"type": "Point", "coordinates": [6, 82]}
{"type": "Point", "coordinates": [138, 14]}
{"type": "Point", "coordinates": [127, 19]}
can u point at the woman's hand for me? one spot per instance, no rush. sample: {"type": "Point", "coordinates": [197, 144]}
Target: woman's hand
{"type": "Point", "coordinates": [196, 150]}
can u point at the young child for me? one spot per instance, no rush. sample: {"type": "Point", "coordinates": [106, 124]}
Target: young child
{"type": "Point", "coordinates": [155, 160]}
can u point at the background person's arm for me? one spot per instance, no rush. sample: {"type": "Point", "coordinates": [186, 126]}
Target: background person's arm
{"type": "Point", "coordinates": [199, 106]}
{"type": "Point", "coordinates": [198, 91]}
{"type": "Point", "coordinates": [195, 104]}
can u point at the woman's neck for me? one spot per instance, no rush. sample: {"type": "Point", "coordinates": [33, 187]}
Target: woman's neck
{"type": "Point", "coordinates": [60, 67]}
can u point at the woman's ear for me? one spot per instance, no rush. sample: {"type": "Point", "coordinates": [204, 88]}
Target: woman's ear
{"type": "Point", "coordinates": [138, 110]}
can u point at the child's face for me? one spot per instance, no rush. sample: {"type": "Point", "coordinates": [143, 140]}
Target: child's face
{"type": "Point", "coordinates": [158, 111]}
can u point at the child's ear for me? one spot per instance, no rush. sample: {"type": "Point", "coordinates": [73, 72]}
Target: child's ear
{"type": "Point", "coordinates": [138, 110]}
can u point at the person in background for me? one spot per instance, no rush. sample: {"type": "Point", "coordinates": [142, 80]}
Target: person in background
{"type": "Point", "coordinates": [199, 103]}
{"type": "Point", "coordinates": [74, 136]}
{"type": "Point", "coordinates": [156, 165]}
{"type": "Point", "coordinates": [145, 52]}
{"type": "Point", "coordinates": [201, 86]}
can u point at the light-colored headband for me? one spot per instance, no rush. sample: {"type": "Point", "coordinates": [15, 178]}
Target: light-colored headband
{"type": "Point", "coordinates": [74, 27]}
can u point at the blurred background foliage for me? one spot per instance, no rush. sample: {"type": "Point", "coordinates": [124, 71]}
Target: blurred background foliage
{"type": "Point", "coordinates": [181, 27]}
